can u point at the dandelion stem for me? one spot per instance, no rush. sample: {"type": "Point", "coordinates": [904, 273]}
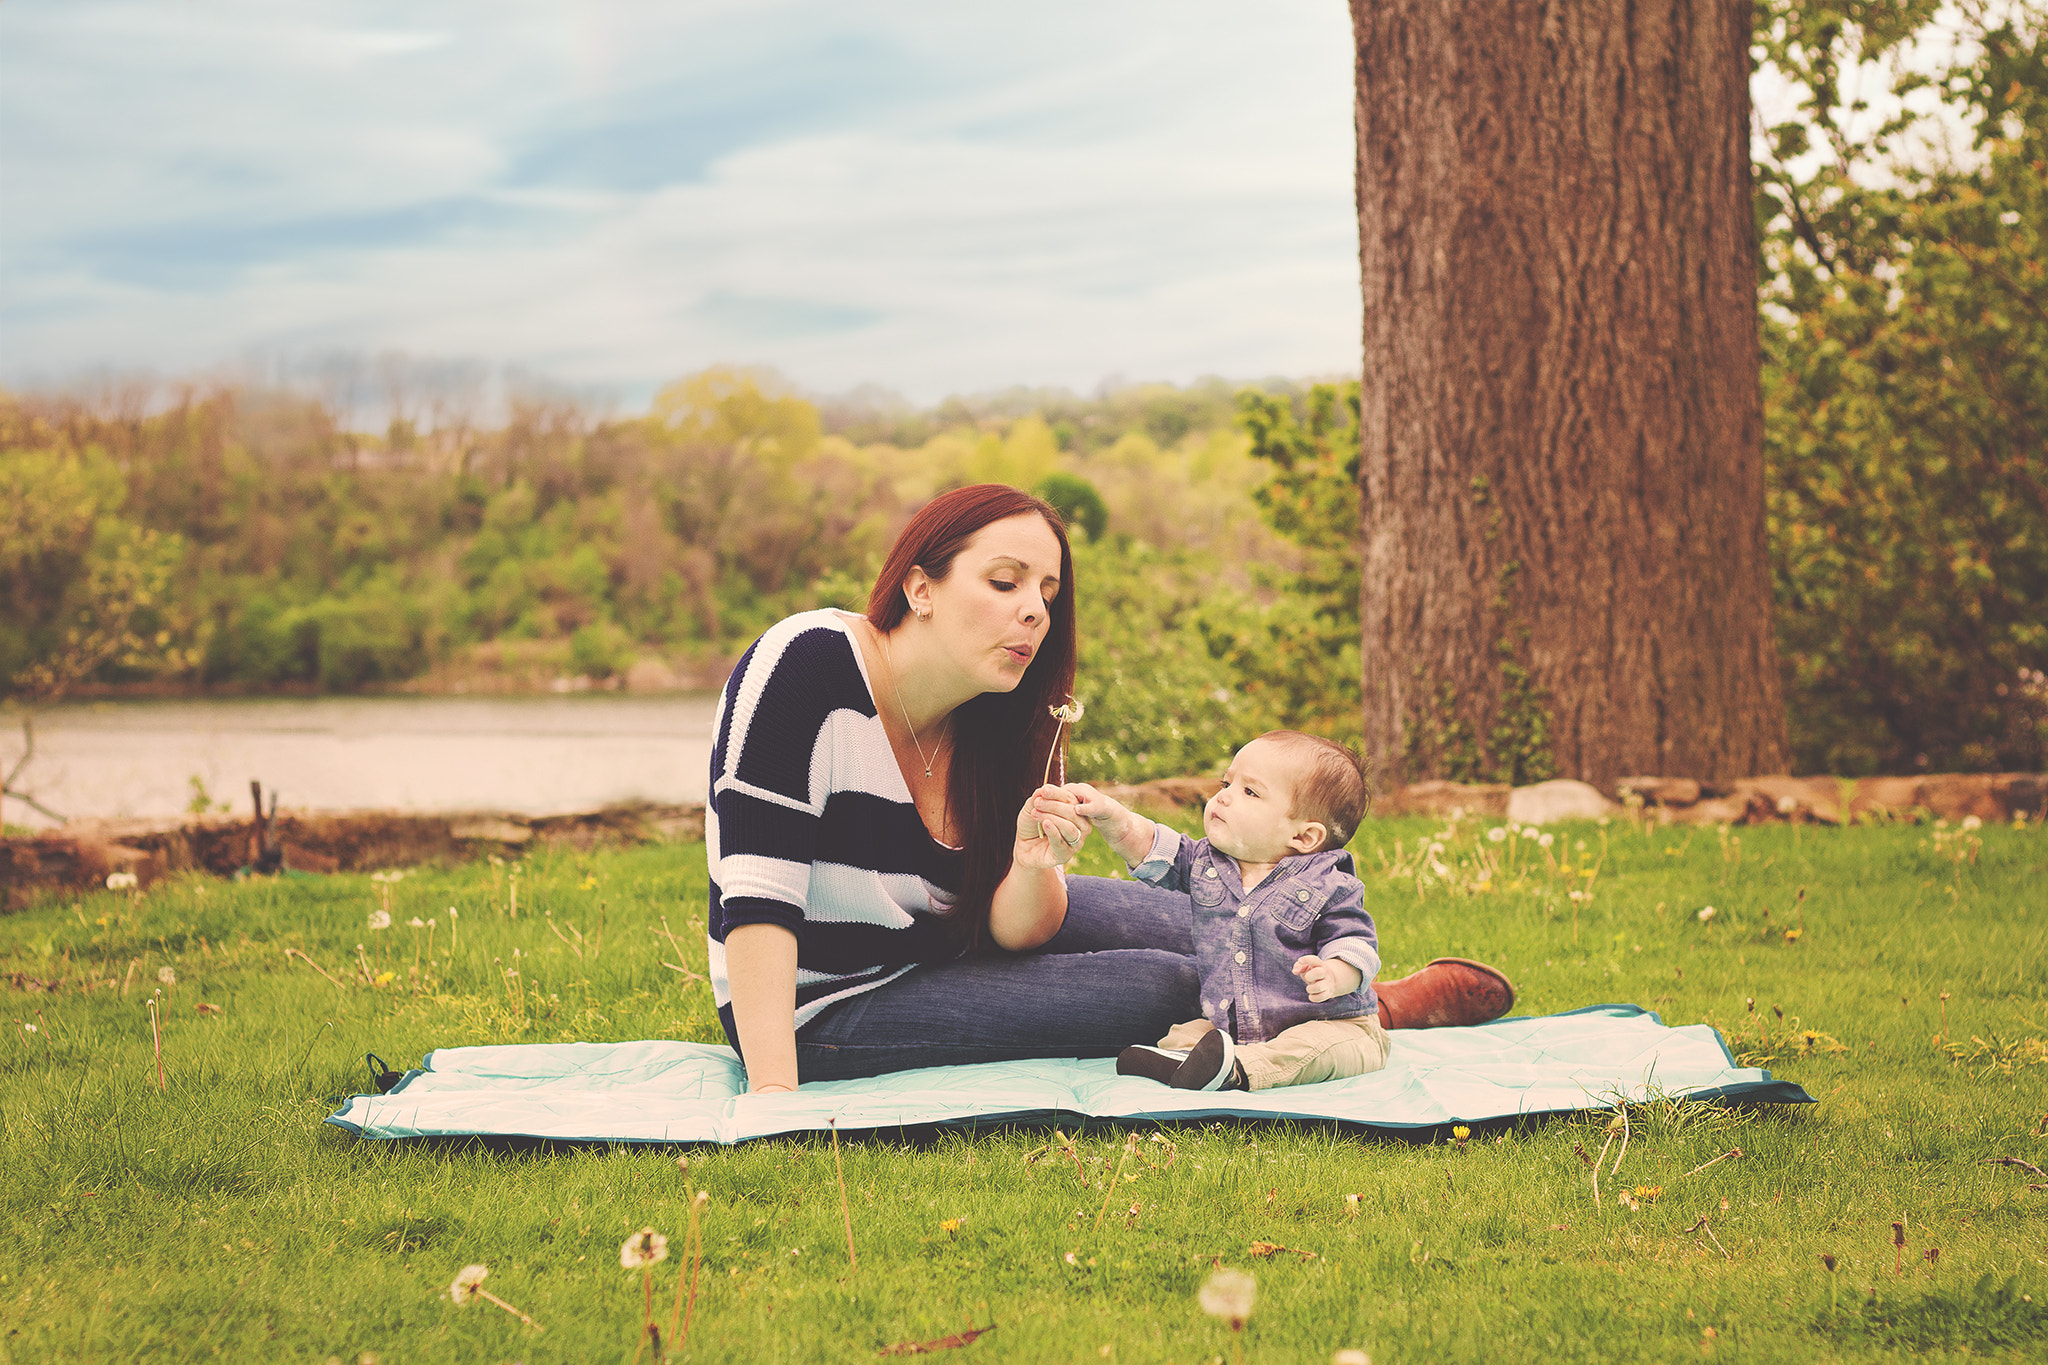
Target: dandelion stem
{"type": "Point", "coordinates": [1732, 1151]}
{"type": "Point", "coordinates": [489, 1297]}
{"type": "Point", "coordinates": [295, 953]}
{"type": "Point", "coordinates": [1115, 1176]}
{"type": "Point", "coordinates": [1615, 1169]}
{"type": "Point", "coordinates": [156, 1036]}
{"type": "Point", "coordinates": [845, 1207]}
{"type": "Point", "coordinates": [1596, 1168]}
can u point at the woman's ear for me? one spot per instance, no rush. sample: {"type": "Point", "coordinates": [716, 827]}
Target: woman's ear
{"type": "Point", "coordinates": [917, 593]}
{"type": "Point", "coordinates": [1309, 837]}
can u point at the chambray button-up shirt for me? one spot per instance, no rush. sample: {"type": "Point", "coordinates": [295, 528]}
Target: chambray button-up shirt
{"type": "Point", "coordinates": [1247, 939]}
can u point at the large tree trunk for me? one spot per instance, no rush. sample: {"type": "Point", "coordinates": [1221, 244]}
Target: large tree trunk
{"type": "Point", "coordinates": [1564, 550]}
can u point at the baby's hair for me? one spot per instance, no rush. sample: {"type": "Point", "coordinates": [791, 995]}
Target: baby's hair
{"type": "Point", "coordinates": [1331, 787]}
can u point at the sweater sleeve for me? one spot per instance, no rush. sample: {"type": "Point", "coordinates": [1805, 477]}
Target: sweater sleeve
{"type": "Point", "coordinates": [771, 775]}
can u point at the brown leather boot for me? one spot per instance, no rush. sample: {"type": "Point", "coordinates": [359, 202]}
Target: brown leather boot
{"type": "Point", "coordinates": [1449, 992]}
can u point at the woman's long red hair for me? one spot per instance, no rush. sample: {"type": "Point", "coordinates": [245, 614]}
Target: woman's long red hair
{"type": "Point", "coordinates": [1001, 740]}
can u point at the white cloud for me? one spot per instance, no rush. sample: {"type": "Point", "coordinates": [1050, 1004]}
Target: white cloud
{"type": "Point", "coordinates": [933, 196]}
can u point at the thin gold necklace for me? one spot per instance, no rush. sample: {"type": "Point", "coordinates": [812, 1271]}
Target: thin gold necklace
{"type": "Point", "coordinates": [897, 688]}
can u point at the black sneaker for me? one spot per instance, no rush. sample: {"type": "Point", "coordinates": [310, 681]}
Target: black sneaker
{"type": "Point", "coordinates": [1211, 1066]}
{"type": "Point", "coordinates": [1153, 1063]}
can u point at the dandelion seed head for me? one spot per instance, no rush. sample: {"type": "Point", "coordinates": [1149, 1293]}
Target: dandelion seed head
{"type": "Point", "coordinates": [380, 919]}
{"type": "Point", "coordinates": [418, 923]}
{"type": "Point", "coordinates": [1496, 835]}
{"type": "Point", "coordinates": [1228, 1294]}
{"type": "Point", "coordinates": [121, 881]}
{"type": "Point", "coordinates": [1787, 804]}
{"type": "Point", "coordinates": [1972, 822]}
{"type": "Point", "coordinates": [167, 975]}
{"type": "Point", "coordinates": [643, 1249]}
{"type": "Point", "coordinates": [1546, 841]}
{"type": "Point", "coordinates": [1706, 913]}
{"type": "Point", "coordinates": [468, 1284]}
{"type": "Point", "coordinates": [1530, 831]}
{"type": "Point", "coordinates": [453, 913]}
{"type": "Point", "coordinates": [1069, 713]}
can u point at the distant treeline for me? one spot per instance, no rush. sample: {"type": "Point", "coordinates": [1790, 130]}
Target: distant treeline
{"type": "Point", "coordinates": [301, 554]}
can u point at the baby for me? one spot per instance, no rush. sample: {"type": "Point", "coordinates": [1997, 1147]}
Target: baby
{"type": "Point", "coordinates": [1286, 951]}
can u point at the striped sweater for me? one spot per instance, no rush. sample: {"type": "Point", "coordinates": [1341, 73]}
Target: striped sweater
{"type": "Point", "coordinates": [811, 826]}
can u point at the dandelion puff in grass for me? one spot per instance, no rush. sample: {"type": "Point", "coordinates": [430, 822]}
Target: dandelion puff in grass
{"type": "Point", "coordinates": [469, 1283]}
{"type": "Point", "coordinates": [418, 923]}
{"type": "Point", "coordinates": [1546, 840]}
{"type": "Point", "coordinates": [167, 975]}
{"type": "Point", "coordinates": [1972, 822]}
{"type": "Point", "coordinates": [1497, 835]}
{"type": "Point", "coordinates": [380, 919]}
{"type": "Point", "coordinates": [121, 881]}
{"type": "Point", "coordinates": [643, 1249]}
{"type": "Point", "coordinates": [1228, 1294]}
{"type": "Point", "coordinates": [1706, 913]}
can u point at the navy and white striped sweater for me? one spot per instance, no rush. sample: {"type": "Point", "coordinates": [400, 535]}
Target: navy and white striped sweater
{"type": "Point", "coordinates": [811, 826]}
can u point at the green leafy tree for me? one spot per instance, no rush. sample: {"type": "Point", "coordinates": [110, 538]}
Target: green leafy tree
{"type": "Point", "coordinates": [81, 587]}
{"type": "Point", "coordinates": [1906, 388]}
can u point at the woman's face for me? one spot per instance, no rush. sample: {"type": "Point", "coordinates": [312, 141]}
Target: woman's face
{"type": "Point", "coordinates": [990, 613]}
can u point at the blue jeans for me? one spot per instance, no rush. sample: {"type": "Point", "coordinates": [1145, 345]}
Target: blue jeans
{"type": "Point", "coordinates": [1121, 970]}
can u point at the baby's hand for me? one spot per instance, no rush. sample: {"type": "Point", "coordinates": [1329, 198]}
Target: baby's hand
{"type": "Point", "coordinates": [1326, 980]}
{"type": "Point", "coordinates": [1094, 806]}
{"type": "Point", "coordinates": [1129, 833]}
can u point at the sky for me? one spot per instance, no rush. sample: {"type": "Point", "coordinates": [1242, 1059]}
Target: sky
{"type": "Point", "coordinates": [933, 197]}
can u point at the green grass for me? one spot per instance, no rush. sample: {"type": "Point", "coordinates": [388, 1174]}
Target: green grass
{"type": "Point", "coordinates": [220, 1219]}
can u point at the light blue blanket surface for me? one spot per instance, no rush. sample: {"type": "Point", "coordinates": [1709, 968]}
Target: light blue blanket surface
{"type": "Point", "coordinates": [692, 1092]}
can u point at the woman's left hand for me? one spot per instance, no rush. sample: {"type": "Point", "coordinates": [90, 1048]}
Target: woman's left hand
{"type": "Point", "coordinates": [1050, 829]}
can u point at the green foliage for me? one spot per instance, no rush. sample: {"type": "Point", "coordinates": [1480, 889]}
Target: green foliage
{"type": "Point", "coordinates": [1077, 502]}
{"type": "Point", "coordinates": [1307, 657]}
{"type": "Point", "coordinates": [1906, 391]}
{"type": "Point", "coordinates": [82, 587]}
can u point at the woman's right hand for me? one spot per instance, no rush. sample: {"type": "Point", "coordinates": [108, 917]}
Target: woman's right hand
{"type": "Point", "coordinates": [1050, 829]}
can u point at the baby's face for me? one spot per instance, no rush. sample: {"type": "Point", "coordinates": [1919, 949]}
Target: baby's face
{"type": "Point", "coordinates": [1250, 818]}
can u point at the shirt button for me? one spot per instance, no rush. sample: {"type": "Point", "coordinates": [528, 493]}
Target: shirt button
{"type": "Point", "coordinates": [1240, 957]}
{"type": "Point", "coordinates": [1211, 872]}
{"type": "Point", "coordinates": [1301, 895]}
{"type": "Point", "coordinates": [1243, 910]}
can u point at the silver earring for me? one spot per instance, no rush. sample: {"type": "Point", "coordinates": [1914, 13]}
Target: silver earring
{"type": "Point", "coordinates": [924, 613]}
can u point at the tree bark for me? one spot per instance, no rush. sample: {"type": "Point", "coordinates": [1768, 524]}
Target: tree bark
{"type": "Point", "coordinates": [1564, 553]}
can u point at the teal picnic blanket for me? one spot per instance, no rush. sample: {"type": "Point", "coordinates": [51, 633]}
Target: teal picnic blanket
{"type": "Point", "coordinates": [693, 1092]}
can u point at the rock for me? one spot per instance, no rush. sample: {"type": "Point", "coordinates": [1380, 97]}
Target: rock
{"type": "Point", "coordinates": [1881, 798]}
{"type": "Point", "coordinates": [1658, 791]}
{"type": "Point", "coordinates": [1164, 794]}
{"type": "Point", "coordinates": [1444, 798]}
{"type": "Point", "coordinates": [495, 829]}
{"type": "Point", "coordinates": [1794, 798]}
{"type": "Point", "coordinates": [652, 675]}
{"type": "Point", "coordinates": [1951, 796]}
{"type": "Point", "coordinates": [1546, 803]}
{"type": "Point", "coordinates": [1718, 810]}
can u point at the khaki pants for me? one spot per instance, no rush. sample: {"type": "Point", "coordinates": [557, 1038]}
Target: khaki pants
{"type": "Point", "coordinates": [1319, 1050]}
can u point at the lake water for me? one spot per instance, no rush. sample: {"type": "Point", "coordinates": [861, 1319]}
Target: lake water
{"type": "Point", "coordinates": [529, 755]}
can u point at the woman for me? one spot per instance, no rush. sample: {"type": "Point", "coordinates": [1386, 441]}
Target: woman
{"type": "Point", "coordinates": [887, 885]}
